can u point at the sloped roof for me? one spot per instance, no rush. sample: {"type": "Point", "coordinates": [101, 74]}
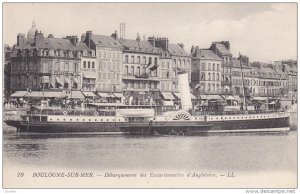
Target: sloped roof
{"type": "Point", "coordinates": [236, 63]}
{"type": "Point", "coordinates": [175, 49]}
{"type": "Point", "coordinates": [222, 49]}
{"type": "Point", "coordinates": [57, 43]}
{"type": "Point", "coordinates": [138, 46]}
{"type": "Point", "coordinates": [101, 40]}
{"type": "Point", "coordinates": [206, 54]}
{"type": "Point", "coordinates": [82, 46]}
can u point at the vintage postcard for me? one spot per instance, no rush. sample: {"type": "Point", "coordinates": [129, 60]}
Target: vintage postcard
{"type": "Point", "coordinates": [150, 95]}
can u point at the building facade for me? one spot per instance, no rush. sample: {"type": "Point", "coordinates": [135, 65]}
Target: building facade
{"type": "Point", "coordinates": [222, 49]}
{"type": "Point", "coordinates": [206, 71]}
{"type": "Point", "coordinates": [40, 62]}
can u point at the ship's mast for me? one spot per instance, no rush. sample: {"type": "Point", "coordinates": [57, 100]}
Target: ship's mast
{"type": "Point", "coordinates": [244, 98]}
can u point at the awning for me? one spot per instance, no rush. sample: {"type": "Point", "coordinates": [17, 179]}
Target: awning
{"type": "Point", "coordinates": [67, 80]}
{"type": "Point", "coordinates": [167, 95]}
{"type": "Point", "coordinates": [177, 94]}
{"type": "Point", "coordinates": [239, 99]}
{"type": "Point", "coordinates": [76, 95]}
{"type": "Point", "coordinates": [103, 94]}
{"type": "Point", "coordinates": [75, 80]}
{"type": "Point", "coordinates": [46, 94]}
{"type": "Point", "coordinates": [211, 97]}
{"type": "Point", "coordinates": [19, 94]}
{"type": "Point", "coordinates": [193, 97]}
{"type": "Point", "coordinates": [229, 97]}
{"type": "Point", "coordinates": [260, 98]}
{"type": "Point", "coordinates": [90, 75]}
{"type": "Point", "coordinates": [111, 95]}
{"type": "Point", "coordinates": [58, 80]}
{"type": "Point", "coordinates": [45, 79]}
{"type": "Point", "coordinates": [118, 95]}
{"type": "Point", "coordinates": [88, 94]}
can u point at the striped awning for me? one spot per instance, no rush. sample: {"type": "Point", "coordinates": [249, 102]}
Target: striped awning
{"type": "Point", "coordinates": [46, 94]}
{"type": "Point", "coordinates": [103, 94]}
{"type": "Point", "coordinates": [118, 95]}
{"type": "Point", "coordinates": [75, 95]}
{"type": "Point", "coordinates": [167, 95]}
{"type": "Point", "coordinates": [89, 94]}
{"type": "Point", "coordinates": [193, 97]}
{"type": "Point", "coordinates": [211, 97]}
{"type": "Point", "coordinates": [176, 94]}
{"type": "Point", "coordinates": [18, 94]}
{"type": "Point", "coordinates": [90, 75]}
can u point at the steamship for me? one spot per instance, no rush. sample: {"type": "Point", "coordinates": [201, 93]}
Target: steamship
{"type": "Point", "coordinates": [149, 119]}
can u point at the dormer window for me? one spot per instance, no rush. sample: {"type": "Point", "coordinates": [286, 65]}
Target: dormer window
{"type": "Point", "coordinates": [93, 53]}
{"type": "Point", "coordinates": [84, 53]}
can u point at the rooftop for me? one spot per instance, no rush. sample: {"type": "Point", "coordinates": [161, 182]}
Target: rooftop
{"type": "Point", "coordinates": [177, 50]}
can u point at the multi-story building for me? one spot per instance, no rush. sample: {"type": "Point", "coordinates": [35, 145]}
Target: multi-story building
{"type": "Point", "coordinates": [181, 61]}
{"type": "Point", "coordinates": [222, 49]}
{"type": "Point", "coordinates": [268, 80]}
{"type": "Point", "coordinates": [140, 69]}
{"type": "Point", "coordinates": [108, 65]}
{"type": "Point", "coordinates": [206, 71]}
{"type": "Point", "coordinates": [7, 71]}
{"type": "Point", "coordinates": [239, 83]}
{"type": "Point", "coordinates": [40, 62]}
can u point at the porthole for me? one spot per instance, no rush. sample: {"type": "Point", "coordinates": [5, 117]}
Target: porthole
{"type": "Point", "coordinates": [101, 120]}
{"type": "Point", "coordinates": [70, 119]}
{"type": "Point", "coordinates": [77, 119]}
{"type": "Point", "coordinates": [58, 119]}
{"type": "Point", "coordinates": [50, 119]}
{"type": "Point", "coordinates": [64, 119]}
{"type": "Point", "coordinates": [83, 119]}
{"type": "Point", "coordinates": [89, 119]}
{"type": "Point", "coordinates": [95, 119]}
{"type": "Point", "coordinates": [107, 119]}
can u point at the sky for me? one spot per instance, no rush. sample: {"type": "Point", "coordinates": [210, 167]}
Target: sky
{"type": "Point", "coordinates": [262, 31]}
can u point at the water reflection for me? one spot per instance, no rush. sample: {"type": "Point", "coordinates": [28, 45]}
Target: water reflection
{"type": "Point", "coordinates": [225, 151]}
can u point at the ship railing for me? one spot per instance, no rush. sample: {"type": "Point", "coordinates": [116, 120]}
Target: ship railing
{"type": "Point", "coordinates": [200, 113]}
{"type": "Point", "coordinates": [72, 112]}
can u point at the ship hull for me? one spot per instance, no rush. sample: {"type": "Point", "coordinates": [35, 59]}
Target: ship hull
{"type": "Point", "coordinates": [154, 127]}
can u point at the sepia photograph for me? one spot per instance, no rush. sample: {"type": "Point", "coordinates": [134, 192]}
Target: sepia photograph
{"type": "Point", "coordinates": [150, 95]}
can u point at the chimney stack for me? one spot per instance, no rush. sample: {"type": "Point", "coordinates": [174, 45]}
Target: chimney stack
{"type": "Point", "coordinates": [115, 35]}
{"type": "Point", "coordinates": [138, 38]}
{"type": "Point", "coordinates": [20, 39]}
{"type": "Point", "coordinates": [151, 40]}
{"type": "Point", "coordinates": [38, 38]}
{"type": "Point", "coordinates": [50, 36]}
{"type": "Point", "coordinates": [88, 38]}
{"type": "Point", "coordinates": [162, 43]}
{"type": "Point", "coordinates": [73, 40]}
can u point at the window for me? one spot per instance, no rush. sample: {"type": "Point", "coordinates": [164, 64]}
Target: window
{"type": "Point", "coordinates": [132, 70]}
{"type": "Point", "coordinates": [138, 71]}
{"type": "Point", "coordinates": [126, 70]}
{"type": "Point", "coordinates": [218, 77]}
{"type": "Point", "coordinates": [89, 64]}
{"type": "Point", "coordinates": [209, 78]}
{"type": "Point", "coordinates": [132, 59]}
{"type": "Point", "coordinates": [93, 65]}
{"type": "Point", "coordinates": [139, 59]}
{"type": "Point", "coordinates": [213, 77]}
{"type": "Point", "coordinates": [209, 68]}
{"type": "Point", "coordinates": [150, 60]}
{"type": "Point", "coordinates": [84, 64]}
{"type": "Point", "coordinates": [218, 67]}
{"type": "Point", "coordinates": [213, 66]}
{"type": "Point", "coordinates": [144, 60]}
{"type": "Point", "coordinates": [203, 66]}
{"type": "Point", "coordinates": [155, 61]}
{"type": "Point", "coordinates": [126, 59]}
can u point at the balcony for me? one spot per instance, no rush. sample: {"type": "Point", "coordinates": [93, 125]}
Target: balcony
{"type": "Point", "coordinates": [141, 77]}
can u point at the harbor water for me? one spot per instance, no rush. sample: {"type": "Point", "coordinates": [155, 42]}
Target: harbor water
{"type": "Point", "coordinates": [245, 154]}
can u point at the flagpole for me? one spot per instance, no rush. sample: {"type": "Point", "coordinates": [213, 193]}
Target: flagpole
{"type": "Point", "coordinates": [244, 98]}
